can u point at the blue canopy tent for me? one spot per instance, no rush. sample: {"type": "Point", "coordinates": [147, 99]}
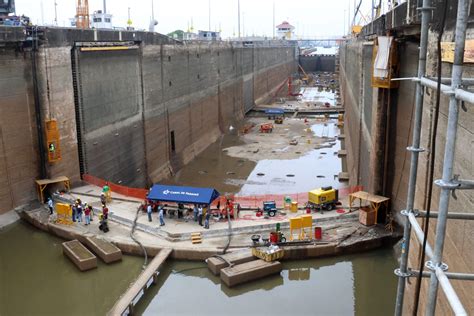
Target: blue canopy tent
{"type": "Point", "coordinates": [274, 111]}
{"type": "Point", "coordinates": [180, 194]}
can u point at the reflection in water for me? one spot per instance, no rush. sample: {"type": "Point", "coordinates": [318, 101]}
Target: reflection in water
{"type": "Point", "coordinates": [312, 94]}
{"type": "Point", "coordinates": [315, 169]}
{"type": "Point", "coordinates": [361, 285]}
{"type": "Point", "coordinates": [37, 279]}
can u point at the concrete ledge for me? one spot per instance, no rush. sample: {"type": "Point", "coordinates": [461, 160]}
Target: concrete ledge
{"type": "Point", "coordinates": [215, 264]}
{"type": "Point", "coordinates": [79, 255]}
{"type": "Point", "coordinates": [249, 271]}
{"type": "Point", "coordinates": [351, 245]}
{"type": "Point", "coordinates": [104, 249]}
{"type": "Point", "coordinates": [8, 218]}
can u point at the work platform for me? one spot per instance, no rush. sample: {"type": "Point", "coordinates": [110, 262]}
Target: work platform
{"type": "Point", "coordinates": [300, 111]}
{"type": "Point", "coordinates": [146, 279]}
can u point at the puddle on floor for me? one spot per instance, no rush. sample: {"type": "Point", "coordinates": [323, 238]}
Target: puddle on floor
{"type": "Point", "coordinates": [215, 168]}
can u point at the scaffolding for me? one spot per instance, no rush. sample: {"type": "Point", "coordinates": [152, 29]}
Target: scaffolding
{"type": "Point", "coordinates": [448, 183]}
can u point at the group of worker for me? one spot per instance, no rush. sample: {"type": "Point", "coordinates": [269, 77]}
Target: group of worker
{"type": "Point", "coordinates": [79, 208]}
{"type": "Point", "coordinates": [149, 210]}
{"type": "Point", "coordinates": [200, 211]}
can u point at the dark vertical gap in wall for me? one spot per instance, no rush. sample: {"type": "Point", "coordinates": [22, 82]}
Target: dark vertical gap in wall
{"type": "Point", "coordinates": [189, 92]}
{"type": "Point", "coordinates": [173, 144]}
{"type": "Point", "coordinates": [38, 116]}
{"type": "Point", "coordinates": [77, 108]}
{"type": "Point", "coordinates": [165, 108]}
{"type": "Point", "coordinates": [220, 118]}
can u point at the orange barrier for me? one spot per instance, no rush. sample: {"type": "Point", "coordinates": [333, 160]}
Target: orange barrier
{"type": "Point", "coordinates": [252, 201]}
{"type": "Point", "coordinates": [116, 188]}
{"type": "Point", "coordinates": [255, 201]}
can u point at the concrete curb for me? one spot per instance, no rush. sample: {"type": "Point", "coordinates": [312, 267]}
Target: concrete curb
{"type": "Point", "coordinates": [192, 254]}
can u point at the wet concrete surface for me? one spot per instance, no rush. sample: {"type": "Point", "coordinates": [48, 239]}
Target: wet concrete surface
{"type": "Point", "coordinates": [214, 168]}
{"type": "Point", "coordinates": [312, 165]}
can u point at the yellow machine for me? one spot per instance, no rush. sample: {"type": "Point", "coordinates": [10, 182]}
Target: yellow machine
{"type": "Point", "coordinates": [324, 198]}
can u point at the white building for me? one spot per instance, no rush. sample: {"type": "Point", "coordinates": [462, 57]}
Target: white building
{"type": "Point", "coordinates": [101, 20]}
{"type": "Point", "coordinates": [190, 36]}
{"type": "Point", "coordinates": [209, 36]}
{"type": "Point", "coordinates": [285, 31]}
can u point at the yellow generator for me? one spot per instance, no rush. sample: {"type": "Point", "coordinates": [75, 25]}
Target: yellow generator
{"type": "Point", "coordinates": [324, 198]}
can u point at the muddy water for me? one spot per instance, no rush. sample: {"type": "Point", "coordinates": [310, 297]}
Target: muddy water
{"type": "Point", "coordinates": [361, 284]}
{"type": "Point", "coordinates": [214, 168]}
{"type": "Point", "coordinates": [316, 95]}
{"type": "Point", "coordinates": [315, 169]}
{"type": "Point", "coordinates": [37, 279]}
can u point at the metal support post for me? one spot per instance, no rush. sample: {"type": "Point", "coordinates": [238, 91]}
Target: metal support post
{"type": "Point", "coordinates": [449, 275]}
{"type": "Point", "coordinates": [425, 19]}
{"type": "Point", "coordinates": [451, 215]}
{"type": "Point", "coordinates": [456, 75]}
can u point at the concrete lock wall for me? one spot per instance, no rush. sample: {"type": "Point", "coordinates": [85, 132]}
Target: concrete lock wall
{"type": "Point", "coordinates": [18, 142]}
{"type": "Point", "coordinates": [355, 69]}
{"type": "Point", "coordinates": [318, 63]}
{"type": "Point", "coordinates": [117, 110]}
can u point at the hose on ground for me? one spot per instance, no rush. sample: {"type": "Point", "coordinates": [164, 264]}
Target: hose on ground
{"type": "Point", "coordinates": [136, 240]}
{"type": "Point", "coordinates": [229, 234]}
{"type": "Point", "coordinates": [229, 239]}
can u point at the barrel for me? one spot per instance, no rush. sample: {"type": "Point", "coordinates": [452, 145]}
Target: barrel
{"type": "Point", "coordinates": [318, 232]}
{"type": "Point", "coordinates": [294, 207]}
{"type": "Point", "coordinates": [274, 237]}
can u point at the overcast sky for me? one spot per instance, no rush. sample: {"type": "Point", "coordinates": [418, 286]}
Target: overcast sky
{"type": "Point", "coordinates": [310, 17]}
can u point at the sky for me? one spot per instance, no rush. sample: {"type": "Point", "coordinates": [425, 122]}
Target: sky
{"type": "Point", "coordinates": [311, 18]}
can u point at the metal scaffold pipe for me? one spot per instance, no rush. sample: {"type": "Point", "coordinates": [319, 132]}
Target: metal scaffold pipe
{"type": "Point", "coordinates": [453, 114]}
{"type": "Point", "coordinates": [450, 293]}
{"type": "Point", "coordinates": [415, 150]}
{"type": "Point", "coordinates": [419, 234]}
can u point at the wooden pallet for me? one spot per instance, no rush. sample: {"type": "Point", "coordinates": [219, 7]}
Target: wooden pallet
{"type": "Point", "coordinates": [196, 238]}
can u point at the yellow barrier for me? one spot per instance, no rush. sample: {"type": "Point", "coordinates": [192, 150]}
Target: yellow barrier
{"type": "Point", "coordinates": [307, 226]}
{"type": "Point", "coordinates": [64, 214]}
{"type": "Point", "coordinates": [296, 224]}
{"type": "Point", "coordinates": [294, 207]}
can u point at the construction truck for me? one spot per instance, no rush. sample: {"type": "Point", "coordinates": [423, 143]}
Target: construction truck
{"type": "Point", "coordinates": [324, 198]}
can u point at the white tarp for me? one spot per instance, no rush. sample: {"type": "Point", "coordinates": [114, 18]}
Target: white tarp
{"type": "Point", "coordinates": [382, 58]}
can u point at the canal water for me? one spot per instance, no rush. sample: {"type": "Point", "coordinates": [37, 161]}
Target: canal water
{"type": "Point", "coordinates": [37, 279]}
{"type": "Point", "coordinates": [362, 284]}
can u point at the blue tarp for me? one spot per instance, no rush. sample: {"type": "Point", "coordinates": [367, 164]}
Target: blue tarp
{"type": "Point", "coordinates": [274, 111]}
{"type": "Point", "coordinates": [180, 194]}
